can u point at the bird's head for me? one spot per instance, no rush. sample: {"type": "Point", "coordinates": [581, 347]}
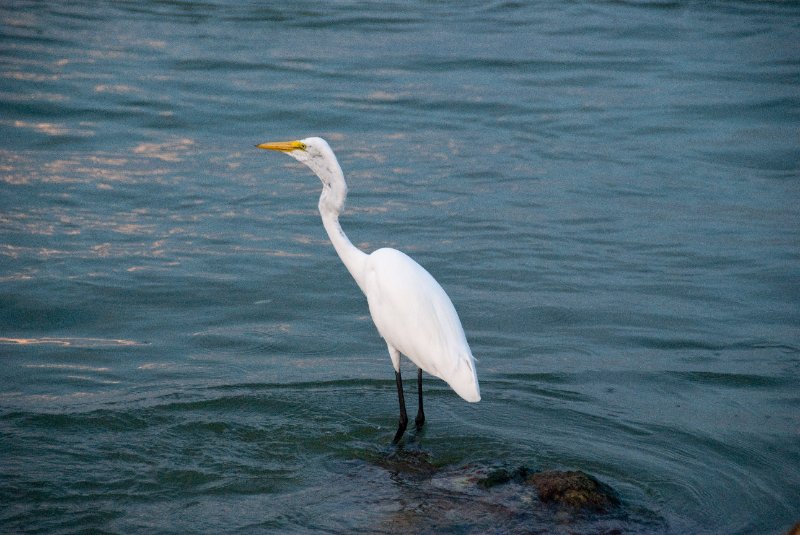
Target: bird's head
{"type": "Point", "coordinates": [315, 153]}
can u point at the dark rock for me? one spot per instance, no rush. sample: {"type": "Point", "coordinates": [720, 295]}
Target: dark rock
{"type": "Point", "coordinates": [501, 476]}
{"type": "Point", "coordinates": [573, 489]}
{"type": "Point", "coordinates": [494, 478]}
{"type": "Point", "coordinates": [433, 496]}
{"type": "Point", "coordinates": [408, 461]}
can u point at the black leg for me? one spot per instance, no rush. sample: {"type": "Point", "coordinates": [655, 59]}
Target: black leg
{"type": "Point", "coordinates": [401, 426]}
{"type": "Point", "coordinates": [420, 419]}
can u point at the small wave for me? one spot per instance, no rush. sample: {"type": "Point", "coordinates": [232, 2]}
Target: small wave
{"type": "Point", "coordinates": [280, 338]}
{"type": "Point", "coordinates": [72, 367]}
{"type": "Point", "coordinates": [94, 380]}
{"type": "Point", "coordinates": [734, 380]}
{"type": "Point", "coordinates": [71, 342]}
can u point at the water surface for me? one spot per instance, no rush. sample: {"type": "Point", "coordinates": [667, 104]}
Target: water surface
{"type": "Point", "coordinates": [608, 191]}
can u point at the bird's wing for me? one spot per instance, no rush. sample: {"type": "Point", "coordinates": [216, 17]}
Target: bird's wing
{"type": "Point", "coordinates": [414, 314]}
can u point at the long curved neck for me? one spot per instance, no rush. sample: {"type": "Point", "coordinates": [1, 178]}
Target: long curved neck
{"type": "Point", "coordinates": [331, 203]}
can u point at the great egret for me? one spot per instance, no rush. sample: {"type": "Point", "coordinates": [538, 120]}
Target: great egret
{"type": "Point", "coordinates": [412, 312]}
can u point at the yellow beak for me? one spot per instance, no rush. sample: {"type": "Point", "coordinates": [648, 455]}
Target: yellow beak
{"type": "Point", "coordinates": [283, 146]}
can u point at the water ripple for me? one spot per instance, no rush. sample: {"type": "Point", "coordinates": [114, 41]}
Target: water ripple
{"type": "Point", "coordinates": [607, 191]}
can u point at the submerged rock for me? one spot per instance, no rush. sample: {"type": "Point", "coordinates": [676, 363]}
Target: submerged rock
{"type": "Point", "coordinates": [501, 476]}
{"type": "Point", "coordinates": [486, 498]}
{"type": "Point", "coordinates": [408, 461]}
{"type": "Point", "coordinates": [574, 489]}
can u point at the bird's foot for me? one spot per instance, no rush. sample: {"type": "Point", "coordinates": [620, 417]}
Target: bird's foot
{"type": "Point", "coordinates": [401, 428]}
{"type": "Point", "coordinates": [419, 420]}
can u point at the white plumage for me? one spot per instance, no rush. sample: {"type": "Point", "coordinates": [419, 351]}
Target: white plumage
{"type": "Point", "coordinates": [414, 315]}
{"type": "Point", "coordinates": [410, 309]}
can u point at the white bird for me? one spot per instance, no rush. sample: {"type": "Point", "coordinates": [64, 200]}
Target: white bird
{"type": "Point", "coordinates": [410, 309]}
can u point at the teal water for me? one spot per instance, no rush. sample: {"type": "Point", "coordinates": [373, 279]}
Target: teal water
{"type": "Point", "coordinates": [608, 191]}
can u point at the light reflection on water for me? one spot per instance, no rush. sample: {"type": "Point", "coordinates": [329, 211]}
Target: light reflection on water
{"type": "Point", "coordinates": [606, 191]}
